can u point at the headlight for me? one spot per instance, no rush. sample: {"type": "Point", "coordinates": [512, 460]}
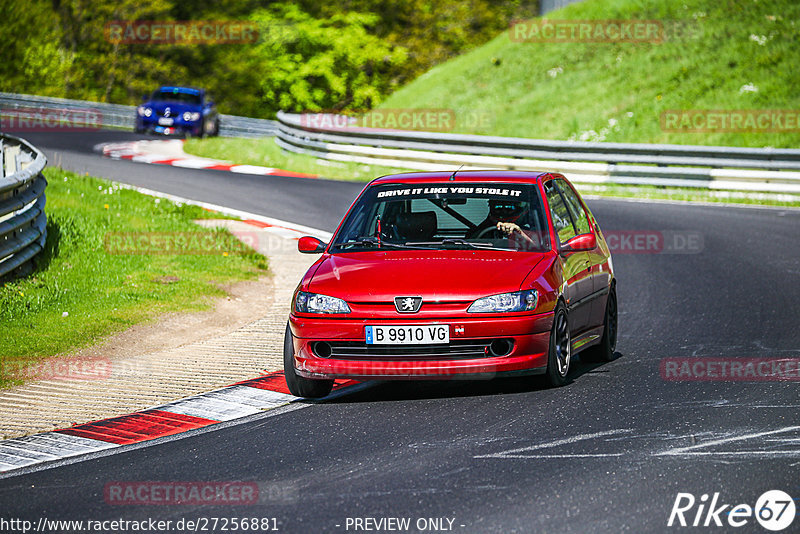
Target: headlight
{"type": "Point", "coordinates": [148, 112]}
{"type": "Point", "coordinates": [314, 303]}
{"type": "Point", "coordinates": [506, 302]}
{"type": "Point", "coordinates": [140, 111]}
{"type": "Point", "coordinates": [191, 116]}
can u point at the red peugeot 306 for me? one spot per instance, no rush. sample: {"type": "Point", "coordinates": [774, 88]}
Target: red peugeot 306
{"type": "Point", "coordinates": [470, 274]}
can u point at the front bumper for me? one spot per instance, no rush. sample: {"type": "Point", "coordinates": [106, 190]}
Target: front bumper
{"type": "Point", "coordinates": [177, 128]}
{"type": "Point", "coordinates": [530, 335]}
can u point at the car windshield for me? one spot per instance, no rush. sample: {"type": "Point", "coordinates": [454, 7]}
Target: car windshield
{"type": "Point", "coordinates": [177, 96]}
{"type": "Point", "coordinates": [444, 217]}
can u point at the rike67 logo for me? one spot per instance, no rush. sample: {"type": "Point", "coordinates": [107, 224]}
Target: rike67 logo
{"type": "Point", "coordinates": [774, 510]}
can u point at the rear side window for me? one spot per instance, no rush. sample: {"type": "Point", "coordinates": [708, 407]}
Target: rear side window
{"type": "Point", "coordinates": [575, 208]}
{"type": "Point", "coordinates": [562, 220]}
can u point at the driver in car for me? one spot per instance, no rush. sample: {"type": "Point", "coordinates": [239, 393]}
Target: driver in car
{"type": "Point", "coordinates": [503, 218]}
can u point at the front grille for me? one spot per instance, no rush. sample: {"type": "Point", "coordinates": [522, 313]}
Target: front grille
{"type": "Point", "coordinates": [455, 350]}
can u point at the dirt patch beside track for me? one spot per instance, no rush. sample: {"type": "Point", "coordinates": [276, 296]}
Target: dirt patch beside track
{"type": "Point", "coordinates": [173, 357]}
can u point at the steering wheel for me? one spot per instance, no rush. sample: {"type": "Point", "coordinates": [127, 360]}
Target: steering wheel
{"type": "Point", "coordinates": [490, 232]}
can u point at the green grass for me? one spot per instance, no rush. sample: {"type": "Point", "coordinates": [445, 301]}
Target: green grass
{"type": "Point", "coordinates": [266, 153]}
{"type": "Point", "coordinates": [616, 92]}
{"type": "Point", "coordinates": [105, 293]}
{"type": "Point", "coordinates": [684, 194]}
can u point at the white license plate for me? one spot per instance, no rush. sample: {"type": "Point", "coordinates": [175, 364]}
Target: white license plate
{"type": "Point", "coordinates": [408, 335]}
{"type": "Point", "coordinates": [164, 121]}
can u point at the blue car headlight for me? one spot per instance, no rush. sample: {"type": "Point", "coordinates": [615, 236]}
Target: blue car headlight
{"type": "Point", "coordinates": [191, 116]}
{"type": "Point", "coordinates": [315, 303]}
{"type": "Point", "coordinates": [144, 111]}
{"type": "Point", "coordinates": [506, 302]}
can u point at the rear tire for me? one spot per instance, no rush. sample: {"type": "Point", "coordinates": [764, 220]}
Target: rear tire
{"type": "Point", "coordinates": [604, 352]}
{"type": "Point", "coordinates": [559, 355]}
{"type": "Point", "coordinates": [300, 386]}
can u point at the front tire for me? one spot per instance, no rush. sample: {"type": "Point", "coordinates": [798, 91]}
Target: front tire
{"type": "Point", "coordinates": [559, 355]}
{"type": "Point", "coordinates": [300, 386]}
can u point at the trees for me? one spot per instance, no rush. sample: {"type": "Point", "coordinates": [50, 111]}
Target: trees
{"type": "Point", "coordinates": [311, 54]}
{"type": "Point", "coordinates": [332, 63]}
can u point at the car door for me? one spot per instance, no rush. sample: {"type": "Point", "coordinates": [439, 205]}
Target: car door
{"type": "Point", "coordinates": [598, 275]}
{"type": "Point", "coordinates": [576, 273]}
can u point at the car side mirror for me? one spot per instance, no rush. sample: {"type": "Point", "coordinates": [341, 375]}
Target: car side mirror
{"type": "Point", "coordinates": [579, 242]}
{"type": "Point", "coordinates": [145, 98]}
{"type": "Point", "coordinates": [311, 245]}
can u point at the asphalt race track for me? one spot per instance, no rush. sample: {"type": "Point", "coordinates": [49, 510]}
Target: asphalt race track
{"type": "Point", "coordinates": [607, 453]}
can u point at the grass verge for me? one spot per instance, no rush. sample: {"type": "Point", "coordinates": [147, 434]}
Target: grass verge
{"type": "Point", "coordinates": [79, 293]}
{"type": "Point", "coordinates": [685, 194]}
{"type": "Point", "coordinates": [264, 152]}
{"type": "Point", "coordinates": [735, 55]}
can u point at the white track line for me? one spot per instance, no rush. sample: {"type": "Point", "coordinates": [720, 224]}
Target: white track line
{"type": "Point", "coordinates": [515, 453]}
{"type": "Point", "coordinates": [681, 451]}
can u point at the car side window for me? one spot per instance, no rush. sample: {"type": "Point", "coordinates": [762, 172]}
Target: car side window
{"type": "Point", "coordinates": [562, 221]}
{"type": "Point", "coordinates": [575, 208]}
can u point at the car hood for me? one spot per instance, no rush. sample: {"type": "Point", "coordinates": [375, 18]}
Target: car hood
{"type": "Point", "coordinates": [444, 276]}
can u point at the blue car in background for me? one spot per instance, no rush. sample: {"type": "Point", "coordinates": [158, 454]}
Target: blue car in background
{"type": "Point", "coordinates": [180, 111]}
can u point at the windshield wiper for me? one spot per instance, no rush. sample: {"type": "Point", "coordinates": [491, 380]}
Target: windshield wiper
{"type": "Point", "coordinates": [464, 242]}
{"type": "Point", "coordinates": [460, 242]}
{"type": "Point", "coordinates": [367, 241]}
{"type": "Point", "coordinates": [370, 241]}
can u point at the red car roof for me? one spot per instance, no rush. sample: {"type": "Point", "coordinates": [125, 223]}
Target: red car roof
{"type": "Point", "coordinates": [462, 176]}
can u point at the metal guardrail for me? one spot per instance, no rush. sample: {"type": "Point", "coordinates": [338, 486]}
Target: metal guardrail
{"type": "Point", "coordinates": [735, 168]}
{"type": "Point", "coordinates": [23, 223]}
{"type": "Point", "coordinates": [122, 117]}
{"type": "Point", "coordinates": [546, 6]}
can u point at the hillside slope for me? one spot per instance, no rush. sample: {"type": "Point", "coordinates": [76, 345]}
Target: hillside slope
{"type": "Point", "coordinates": [718, 55]}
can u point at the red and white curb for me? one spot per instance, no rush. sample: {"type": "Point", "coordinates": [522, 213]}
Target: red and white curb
{"type": "Point", "coordinates": [170, 152]}
{"type": "Point", "coordinates": [280, 231]}
{"type": "Point", "coordinates": [279, 227]}
{"type": "Point", "coordinates": [230, 403]}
